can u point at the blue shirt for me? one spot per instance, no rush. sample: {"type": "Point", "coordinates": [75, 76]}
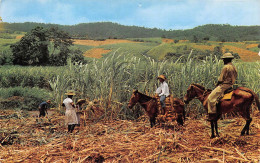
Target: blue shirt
{"type": "Point", "coordinates": [43, 105]}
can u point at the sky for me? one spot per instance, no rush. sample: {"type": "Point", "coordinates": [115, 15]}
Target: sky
{"type": "Point", "coordinates": [162, 14]}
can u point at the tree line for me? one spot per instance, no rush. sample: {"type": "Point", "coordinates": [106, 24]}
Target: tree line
{"type": "Point", "coordinates": [105, 30]}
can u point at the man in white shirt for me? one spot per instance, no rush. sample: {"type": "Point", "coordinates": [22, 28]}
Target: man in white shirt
{"type": "Point", "coordinates": [162, 90]}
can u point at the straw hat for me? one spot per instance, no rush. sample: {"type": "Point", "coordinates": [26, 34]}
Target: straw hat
{"type": "Point", "coordinates": [81, 101]}
{"type": "Point", "coordinates": [161, 77]}
{"type": "Point", "coordinates": [71, 93]}
{"type": "Point", "coordinates": [227, 55]}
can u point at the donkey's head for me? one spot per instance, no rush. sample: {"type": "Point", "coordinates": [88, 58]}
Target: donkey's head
{"type": "Point", "coordinates": [134, 99]}
{"type": "Point", "coordinates": [192, 93]}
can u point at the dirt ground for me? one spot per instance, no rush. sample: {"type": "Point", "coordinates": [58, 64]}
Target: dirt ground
{"type": "Point", "coordinates": [96, 53]}
{"type": "Point", "coordinates": [25, 138]}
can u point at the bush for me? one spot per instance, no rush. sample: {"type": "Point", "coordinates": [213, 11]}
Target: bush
{"type": "Point", "coordinates": [6, 58]}
{"type": "Point", "coordinates": [22, 98]}
{"type": "Point", "coordinates": [14, 76]}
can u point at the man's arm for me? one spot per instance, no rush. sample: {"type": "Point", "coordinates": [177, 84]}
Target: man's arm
{"type": "Point", "coordinates": [73, 105]}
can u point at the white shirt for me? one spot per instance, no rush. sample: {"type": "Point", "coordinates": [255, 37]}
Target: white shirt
{"type": "Point", "coordinates": [67, 102]}
{"type": "Point", "coordinates": [163, 89]}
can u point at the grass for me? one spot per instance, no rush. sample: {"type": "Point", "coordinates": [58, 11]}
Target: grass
{"type": "Point", "coordinates": [130, 49]}
{"type": "Point", "coordinates": [157, 40]}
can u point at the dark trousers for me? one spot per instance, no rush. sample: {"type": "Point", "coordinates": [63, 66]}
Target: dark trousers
{"type": "Point", "coordinates": [71, 128]}
{"type": "Point", "coordinates": [42, 113]}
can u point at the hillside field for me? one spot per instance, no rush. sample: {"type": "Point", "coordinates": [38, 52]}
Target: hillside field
{"type": "Point", "coordinates": [157, 48]}
{"type": "Point", "coordinates": [247, 51]}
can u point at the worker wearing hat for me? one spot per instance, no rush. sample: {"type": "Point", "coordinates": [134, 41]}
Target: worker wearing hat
{"type": "Point", "coordinates": [225, 81]}
{"type": "Point", "coordinates": [79, 105]}
{"type": "Point", "coordinates": [43, 108]}
{"type": "Point", "coordinates": [162, 91]}
{"type": "Point", "coordinates": [71, 118]}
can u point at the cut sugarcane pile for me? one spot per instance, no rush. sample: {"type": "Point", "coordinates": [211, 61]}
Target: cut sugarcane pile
{"type": "Point", "coordinates": [23, 139]}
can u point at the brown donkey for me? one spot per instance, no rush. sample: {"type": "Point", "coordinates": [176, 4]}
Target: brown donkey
{"type": "Point", "coordinates": [151, 106]}
{"type": "Point", "coordinates": [241, 100]}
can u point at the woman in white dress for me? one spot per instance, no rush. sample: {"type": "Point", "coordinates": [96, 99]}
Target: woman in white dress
{"type": "Point", "coordinates": [71, 118]}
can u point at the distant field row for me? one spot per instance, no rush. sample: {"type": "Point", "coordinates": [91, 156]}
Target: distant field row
{"type": "Point", "coordinates": [247, 51]}
{"type": "Point", "coordinates": [157, 48]}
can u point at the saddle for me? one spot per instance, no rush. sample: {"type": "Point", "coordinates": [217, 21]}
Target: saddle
{"type": "Point", "coordinates": [168, 113]}
{"type": "Point", "coordinates": [227, 94]}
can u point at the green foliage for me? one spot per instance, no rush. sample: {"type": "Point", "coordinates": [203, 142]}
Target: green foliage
{"type": "Point", "coordinates": [7, 36]}
{"type": "Point", "coordinates": [112, 79]}
{"type": "Point", "coordinates": [157, 40]}
{"type": "Point", "coordinates": [160, 51]}
{"type": "Point", "coordinates": [217, 51]}
{"type": "Point", "coordinates": [32, 49]}
{"type": "Point", "coordinates": [60, 42]}
{"type": "Point", "coordinates": [41, 47]}
{"type": "Point", "coordinates": [77, 56]}
{"type": "Point", "coordinates": [22, 98]}
{"type": "Point", "coordinates": [104, 30]}
{"type": "Point", "coordinates": [14, 76]}
{"type": "Point", "coordinates": [176, 52]}
{"type": "Point", "coordinates": [6, 58]}
{"type": "Point", "coordinates": [130, 49]}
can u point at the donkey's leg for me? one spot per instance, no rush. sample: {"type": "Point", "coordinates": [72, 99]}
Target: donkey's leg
{"type": "Point", "coordinates": [248, 124]}
{"type": "Point", "coordinates": [180, 119]}
{"type": "Point", "coordinates": [244, 129]}
{"type": "Point", "coordinates": [152, 121]}
{"type": "Point", "coordinates": [246, 115]}
{"type": "Point", "coordinates": [216, 127]}
{"type": "Point", "coordinates": [212, 129]}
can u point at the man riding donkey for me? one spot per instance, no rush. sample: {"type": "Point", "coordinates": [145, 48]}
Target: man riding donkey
{"type": "Point", "coordinates": [163, 107]}
{"type": "Point", "coordinates": [169, 108]}
{"type": "Point", "coordinates": [163, 92]}
{"type": "Point", "coordinates": [225, 81]}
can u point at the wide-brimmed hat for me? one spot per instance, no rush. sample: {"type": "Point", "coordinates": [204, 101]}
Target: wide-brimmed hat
{"type": "Point", "coordinates": [81, 101]}
{"type": "Point", "coordinates": [161, 77]}
{"type": "Point", "coordinates": [71, 93]}
{"type": "Point", "coordinates": [227, 55]}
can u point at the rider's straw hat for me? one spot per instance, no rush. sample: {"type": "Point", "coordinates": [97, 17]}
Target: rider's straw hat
{"type": "Point", "coordinates": [71, 93]}
{"type": "Point", "coordinates": [227, 55]}
{"type": "Point", "coordinates": [161, 77]}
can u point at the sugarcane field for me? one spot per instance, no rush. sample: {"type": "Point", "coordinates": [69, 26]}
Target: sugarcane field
{"type": "Point", "coordinates": [129, 81]}
{"type": "Point", "coordinates": [115, 126]}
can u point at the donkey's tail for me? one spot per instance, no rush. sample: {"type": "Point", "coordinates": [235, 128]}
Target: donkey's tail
{"type": "Point", "coordinates": [256, 100]}
{"type": "Point", "coordinates": [183, 112]}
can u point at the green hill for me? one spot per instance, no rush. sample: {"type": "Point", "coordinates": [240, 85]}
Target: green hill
{"type": "Point", "coordinates": [104, 30]}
